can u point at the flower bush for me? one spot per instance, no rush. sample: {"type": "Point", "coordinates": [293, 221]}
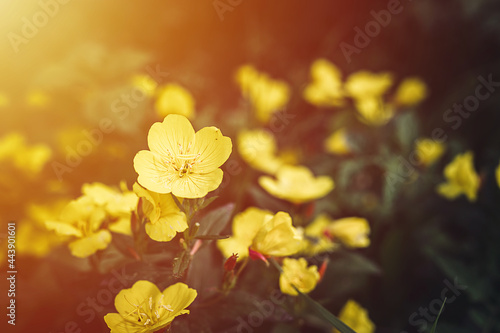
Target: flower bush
{"type": "Point", "coordinates": [156, 191]}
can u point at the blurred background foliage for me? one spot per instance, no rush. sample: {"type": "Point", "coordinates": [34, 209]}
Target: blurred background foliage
{"type": "Point", "coordinates": [63, 81]}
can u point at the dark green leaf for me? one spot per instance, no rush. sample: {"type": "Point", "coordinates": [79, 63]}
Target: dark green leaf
{"type": "Point", "coordinates": [215, 221]}
{"type": "Point", "coordinates": [406, 129]}
{"type": "Point", "coordinates": [324, 314]}
{"type": "Point", "coordinates": [433, 329]}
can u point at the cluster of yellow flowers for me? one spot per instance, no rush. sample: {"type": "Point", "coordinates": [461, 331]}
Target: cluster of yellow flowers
{"type": "Point", "coordinates": [90, 219]}
{"type": "Point", "coordinates": [182, 166]}
{"type": "Point", "coordinates": [366, 89]}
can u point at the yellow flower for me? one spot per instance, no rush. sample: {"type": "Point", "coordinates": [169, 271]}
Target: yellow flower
{"type": "Point", "coordinates": [297, 184]}
{"type": "Point", "coordinates": [144, 309]}
{"type": "Point", "coordinates": [356, 318]}
{"type": "Point", "coordinates": [497, 175]}
{"type": "Point", "coordinates": [30, 159]}
{"type": "Point", "coordinates": [428, 150]}
{"type": "Point", "coordinates": [262, 232]}
{"type": "Point", "coordinates": [326, 86]}
{"type": "Point", "coordinates": [373, 111]}
{"type": "Point", "coordinates": [32, 236]}
{"type": "Point", "coordinates": [118, 205]}
{"type": "Point", "coordinates": [338, 143]}
{"type": "Point", "coordinates": [296, 273]}
{"type": "Point", "coordinates": [352, 231]}
{"type": "Point", "coordinates": [258, 149]}
{"type": "Point", "coordinates": [410, 92]}
{"type": "Point", "coordinates": [4, 100]}
{"type": "Point", "coordinates": [364, 84]}
{"type": "Point", "coordinates": [461, 178]}
{"type": "Point", "coordinates": [265, 94]}
{"type": "Point", "coordinates": [165, 219]}
{"type": "Point", "coordinates": [316, 237]}
{"type": "Point", "coordinates": [181, 162]}
{"type": "Point", "coordinates": [37, 98]}
{"type": "Point", "coordinates": [174, 99]}
{"type": "Point", "coordinates": [82, 220]}
{"type": "Point", "coordinates": [144, 83]}
{"type": "Point", "coordinates": [323, 232]}
{"type": "Point", "coordinates": [10, 144]}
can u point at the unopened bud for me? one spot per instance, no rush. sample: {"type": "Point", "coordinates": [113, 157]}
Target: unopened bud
{"type": "Point", "coordinates": [231, 262]}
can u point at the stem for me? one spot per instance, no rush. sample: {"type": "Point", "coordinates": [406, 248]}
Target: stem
{"type": "Point", "coordinates": [181, 206]}
{"type": "Point", "coordinates": [275, 263]}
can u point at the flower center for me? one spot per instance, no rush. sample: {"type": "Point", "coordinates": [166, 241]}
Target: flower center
{"type": "Point", "coordinates": [151, 314]}
{"type": "Point", "coordinates": [182, 161]}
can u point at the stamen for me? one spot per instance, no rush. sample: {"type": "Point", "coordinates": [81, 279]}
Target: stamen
{"type": "Point", "coordinates": [168, 308]}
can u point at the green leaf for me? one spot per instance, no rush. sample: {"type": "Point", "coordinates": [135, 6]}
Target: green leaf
{"type": "Point", "coordinates": [433, 329]}
{"type": "Point", "coordinates": [181, 263]}
{"type": "Point", "coordinates": [178, 203]}
{"type": "Point", "coordinates": [266, 201]}
{"type": "Point", "coordinates": [406, 129]}
{"type": "Point", "coordinates": [324, 314]}
{"type": "Point", "coordinates": [346, 170]}
{"type": "Point", "coordinates": [215, 221]}
{"type": "Point", "coordinates": [204, 202]}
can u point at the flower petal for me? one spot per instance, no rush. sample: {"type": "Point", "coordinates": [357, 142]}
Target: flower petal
{"type": "Point", "coordinates": [118, 324]}
{"type": "Point", "coordinates": [213, 147]}
{"type": "Point", "coordinates": [152, 172]}
{"type": "Point", "coordinates": [63, 228]}
{"type": "Point", "coordinates": [175, 133]}
{"type": "Point", "coordinates": [196, 185]}
{"type": "Point", "coordinates": [232, 245]}
{"type": "Point", "coordinates": [167, 227]}
{"type": "Point", "coordinates": [87, 246]}
{"type": "Point", "coordinates": [127, 299]}
{"type": "Point", "coordinates": [179, 296]}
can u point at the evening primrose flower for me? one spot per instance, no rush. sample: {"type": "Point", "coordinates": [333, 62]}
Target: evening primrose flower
{"type": "Point", "coordinates": [428, 150]}
{"type": "Point", "coordinates": [258, 149]}
{"type": "Point", "coordinates": [144, 309]}
{"type": "Point", "coordinates": [497, 175]}
{"type": "Point", "coordinates": [263, 233]}
{"type": "Point", "coordinates": [297, 184]}
{"type": "Point", "coordinates": [364, 84]}
{"type": "Point", "coordinates": [373, 111]}
{"type": "Point", "coordinates": [324, 234]}
{"type": "Point", "coordinates": [117, 204]}
{"type": "Point", "coordinates": [165, 219]}
{"type": "Point", "coordinates": [461, 178]}
{"type": "Point", "coordinates": [317, 239]}
{"type": "Point", "coordinates": [174, 99]}
{"type": "Point", "coordinates": [351, 231]}
{"type": "Point", "coordinates": [144, 83]}
{"type": "Point", "coordinates": [181, 161]}
{"type": "Point", "coordinates": [82, 220]}
{"type": "Point", "coordinates": [338, 143]}
{"type": "Point", "coordinates": [410, 92]}
{"type": "Point", "coordinates": [326, 86]}
{"type": "Point", "coordinates": [356, 317]}
{"type": "Point", "coordinates": [296, 273]}
{"type": "Point", "coordinates": [4, 100]}
{"type": "Point", "coordinates": [32, 236]}
{"type": "Point", "coordinates": [29, 158]}
{"type": "Point", "coordinates": [367, 90]}
{"type": "Point", "coordinates": [37, 99]}
{"type": "Point", "coordinates": [266, 95]}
